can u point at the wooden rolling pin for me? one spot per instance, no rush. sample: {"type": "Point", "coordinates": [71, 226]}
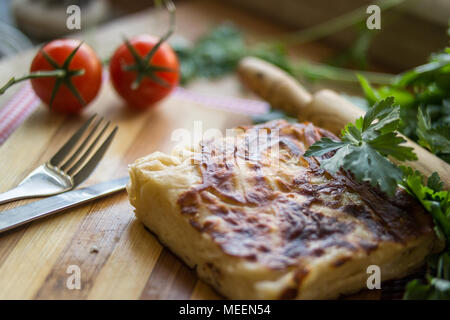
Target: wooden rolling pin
{"type": "Point", "coordinates": [325, 108]}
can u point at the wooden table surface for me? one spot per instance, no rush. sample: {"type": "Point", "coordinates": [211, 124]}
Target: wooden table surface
{"type": "Point", "coordinates": [129, 263]}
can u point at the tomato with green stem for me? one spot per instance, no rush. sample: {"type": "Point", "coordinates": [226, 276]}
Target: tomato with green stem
{"type": "Point", "coordinates": [145, 69]}
{"type": "Point", "coordinates": [81, 82]}
{"type": "Point", "coordinates": [142, 83]}
{"type": "Point", "coordinates": [66, 74]}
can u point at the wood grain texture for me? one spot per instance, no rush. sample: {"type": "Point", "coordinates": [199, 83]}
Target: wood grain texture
{"type": "Point", "coordinates": [129, 262]}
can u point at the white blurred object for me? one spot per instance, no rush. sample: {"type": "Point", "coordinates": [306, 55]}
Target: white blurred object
{"type": "Point", "coordinates": [46, 19]}
{"type": "Point", "coordinates": [12, 40]}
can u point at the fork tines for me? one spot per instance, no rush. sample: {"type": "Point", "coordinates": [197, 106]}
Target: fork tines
{"type": "Point", "coordinates": [79, 156]}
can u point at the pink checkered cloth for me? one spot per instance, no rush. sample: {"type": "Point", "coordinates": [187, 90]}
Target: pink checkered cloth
{"type": "Point", "coordinates": [25, 101]}
{"type": "Point", "coordinates": [17, 110]}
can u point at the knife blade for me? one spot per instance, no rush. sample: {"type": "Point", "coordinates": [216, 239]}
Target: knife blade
{"type": "Point", "coordinates": [15, 217]}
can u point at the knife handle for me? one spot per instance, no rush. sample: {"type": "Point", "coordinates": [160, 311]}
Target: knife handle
{"type": "Point", "coordinates": [324, 108]}
{"type": "Point", "coordinates": [18, 216]}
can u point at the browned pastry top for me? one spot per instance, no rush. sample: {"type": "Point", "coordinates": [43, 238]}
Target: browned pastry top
{"type": "Point", "coordinates": [280, 213]}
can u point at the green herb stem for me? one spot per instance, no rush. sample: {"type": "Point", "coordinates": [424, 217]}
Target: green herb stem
{"type": "Point", "coordinates": [337, 24]}
{"type": "Point", "coordinates": [319, 71]}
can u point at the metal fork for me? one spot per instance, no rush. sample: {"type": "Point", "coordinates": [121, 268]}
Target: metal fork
{"type": "Point", "coordinates": [64, 171]}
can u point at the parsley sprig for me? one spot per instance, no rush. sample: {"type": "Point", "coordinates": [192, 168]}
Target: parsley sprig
{"type": "Point", "coordinates": [365, 145]}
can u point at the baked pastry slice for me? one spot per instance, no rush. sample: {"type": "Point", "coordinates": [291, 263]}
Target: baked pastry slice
{"type": "Point", "coordinates": [266, 223]}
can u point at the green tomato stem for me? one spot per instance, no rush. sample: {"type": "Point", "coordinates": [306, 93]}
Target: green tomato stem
{"type": "Point", "coordinates": [60, 73]}
{"type": "Point", "coordinates": [142, 65]}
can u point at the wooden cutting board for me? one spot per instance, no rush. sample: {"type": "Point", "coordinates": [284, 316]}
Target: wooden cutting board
{"type": "Point", "coordinates": [129, 263]}
{"type": "Point", "coordinates": [117, 257]}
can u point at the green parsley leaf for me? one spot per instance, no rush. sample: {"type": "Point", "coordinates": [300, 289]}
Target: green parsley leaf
{"type": "Point", "coordinates": [437, 284]}
{"type": "Point", "coordinates": [425, 73]}
{"type": "Point", "coordinates": [436, 139]}
{"type": "Point", "coordinates": [435, 200]}
{"type": "Point", "coordinates": [439, 264]}
{"type": "Point", "coordinates": [423, 94]}
{"type": "Point", "coordinates": [323, 146]}
{"type": "Point", "coordinates": [435, 183]}
{"type": "Point", "coordinates": [365, 145]}
{"type": "Point", "coordinates": [214, 54]}
{"type": "Point", "coordinates": [219, 51]}
{"type": "Point", "coordinates": [434, 289]}
{"type": "Point", "coordinates": [372, 95]}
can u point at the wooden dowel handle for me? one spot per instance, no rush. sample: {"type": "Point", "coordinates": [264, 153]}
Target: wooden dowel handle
{"type": "Point", "coordinates": [331, 111]}
{"type": "Point", "coordinates": [273, 85]}
{"type": "Point", "coordinates": [325, 108]}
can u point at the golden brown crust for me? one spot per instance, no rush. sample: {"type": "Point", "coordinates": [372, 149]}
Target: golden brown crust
{"type": "Point", "coordinates": [279, 217]}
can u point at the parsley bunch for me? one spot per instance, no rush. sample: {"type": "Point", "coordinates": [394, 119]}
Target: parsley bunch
{"type": "Point", "coordinates": [423, 94]}
{"type": "Point", "coordinates": [365, 145]}
{"type": "Point", "coordinates": [437, 202]}
{"type": "Point", "coordinates": [219, 51]}
{"type": "Point", "coordinates": [363, 150]}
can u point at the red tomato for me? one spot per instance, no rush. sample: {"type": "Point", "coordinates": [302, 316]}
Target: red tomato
{"type": "Point", "coordinates": [88, 84]}
{"type": "Point", "coordinates": [149, 91]}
